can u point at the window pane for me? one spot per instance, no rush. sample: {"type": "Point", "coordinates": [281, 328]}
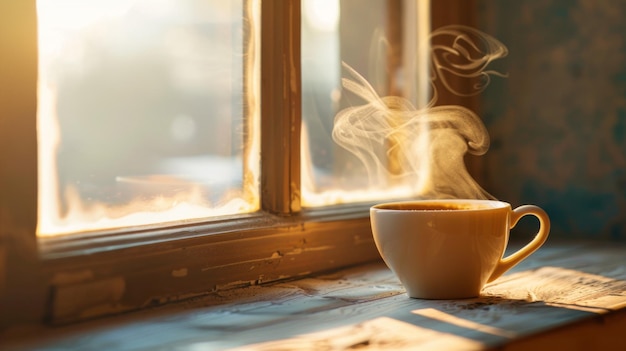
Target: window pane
{"type": "Point", "coordinates": [379, 42]}
{"type": "Point", "coordinates": [144, 113]}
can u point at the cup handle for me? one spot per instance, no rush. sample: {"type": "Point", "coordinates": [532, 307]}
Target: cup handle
{"type": "Point", "coordinates": [544, 228]}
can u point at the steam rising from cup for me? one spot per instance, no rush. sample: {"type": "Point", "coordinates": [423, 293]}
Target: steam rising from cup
{"type": "Point", "coordinates": [425, 146]}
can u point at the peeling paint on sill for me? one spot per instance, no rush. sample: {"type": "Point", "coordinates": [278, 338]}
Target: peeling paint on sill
{"type": "Point", "coordinates": [256, 260]}
{"type": "Point", "coordinates": [180, 273]}
{"type": "Point", "coordinates": [298, 251]}
{"type": "Point", "coordinates": [275, 256]}
{"type": "Point", "coordinates": [161, 300]}
{"type": "Point", "coordinates": [235, 284]}
{"type": "Point", "coordinates": [88, 299]}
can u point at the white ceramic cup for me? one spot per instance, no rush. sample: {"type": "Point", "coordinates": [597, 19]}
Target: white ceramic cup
{"type": "Point", "coordinates": [449, 249]}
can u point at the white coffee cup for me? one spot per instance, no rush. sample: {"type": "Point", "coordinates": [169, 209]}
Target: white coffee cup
{"type": "Point", "coordinates": [449, 249]}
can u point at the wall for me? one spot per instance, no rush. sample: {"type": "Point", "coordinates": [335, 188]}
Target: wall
{"type": "Point", "coordinates": [558, 122]}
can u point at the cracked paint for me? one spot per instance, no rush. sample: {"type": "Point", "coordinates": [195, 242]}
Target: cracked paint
{"type": "Point", "coordinates": [179, 273]}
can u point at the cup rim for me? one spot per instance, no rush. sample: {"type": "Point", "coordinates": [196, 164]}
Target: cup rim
{"type": "Point", "coordinates": [483, 205]}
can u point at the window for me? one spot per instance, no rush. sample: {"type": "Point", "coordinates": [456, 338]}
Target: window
{"type": "Point", "coordinates": [146, 110]}
{"type": "Point", "coordinates": [67, 278]}
{"type": "Point", "coordinates": [378, 42]}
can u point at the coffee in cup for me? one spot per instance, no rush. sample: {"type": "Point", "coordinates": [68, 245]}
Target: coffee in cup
{"type": "Point", "coordinates": [449, 249]}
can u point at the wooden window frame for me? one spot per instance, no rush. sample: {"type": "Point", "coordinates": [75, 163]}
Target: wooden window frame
{"type": "Point", "coordinates": [71, 278]}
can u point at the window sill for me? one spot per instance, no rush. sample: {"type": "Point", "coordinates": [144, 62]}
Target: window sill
{"type": "Point", "coordinates": [102, 274]}
{"type": "Point", "coordinates": [568, 294]}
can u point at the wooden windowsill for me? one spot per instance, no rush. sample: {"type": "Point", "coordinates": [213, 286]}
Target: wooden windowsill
{"type": "Point", "coordinates": [568, 294]}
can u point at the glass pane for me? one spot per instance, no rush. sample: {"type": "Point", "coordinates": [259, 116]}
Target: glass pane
{"type": "Point", "coordinates": [370, 46]}
{"type": "Point", "coordinates": [144, 112]}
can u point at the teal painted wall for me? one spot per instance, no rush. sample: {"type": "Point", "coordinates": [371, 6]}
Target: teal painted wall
{"type": "Point", "coordinates": [558, 122]}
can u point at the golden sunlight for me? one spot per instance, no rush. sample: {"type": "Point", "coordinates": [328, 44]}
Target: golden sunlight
{"type": "Point", "coordinates": [138, 120]}
{"type": "Point", "coordinates": [361, 165]}
{"type": "Point", "coordinates": [403, 147]}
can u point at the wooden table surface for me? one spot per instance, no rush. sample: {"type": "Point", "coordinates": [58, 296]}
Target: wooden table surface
{"type": "Point", "coordinates": [568, 295]}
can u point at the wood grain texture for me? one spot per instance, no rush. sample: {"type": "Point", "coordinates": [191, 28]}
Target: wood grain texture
{"type": "Point", "coordinates": [19, 265]}
{"type": "Point", "coordinates": [281, 106]}
{"type": "Point", "coordinates": [570, 295]}
{"type": "Point", "coordinates": [141, 276]}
